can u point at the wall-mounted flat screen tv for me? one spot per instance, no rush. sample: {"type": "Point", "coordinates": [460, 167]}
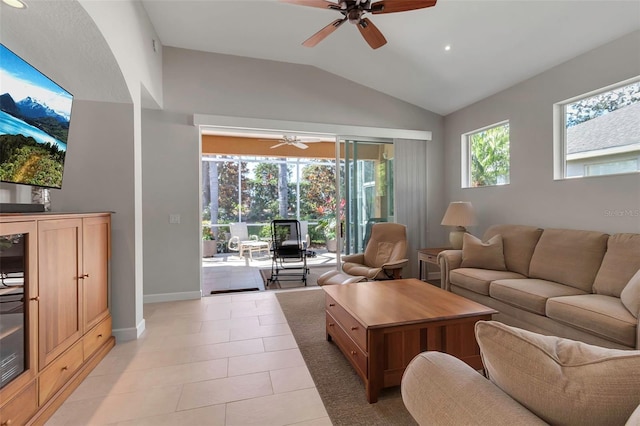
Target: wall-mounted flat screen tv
{"type": "Point", "coordinates": [34, 124]}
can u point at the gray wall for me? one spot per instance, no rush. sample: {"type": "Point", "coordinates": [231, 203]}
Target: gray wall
{"type": "Point", "coordinates": [533, 197]}
{"type": "Point", "coordinates": [203, 83]}
{"type": "Point", "coordinates": [98, 176]}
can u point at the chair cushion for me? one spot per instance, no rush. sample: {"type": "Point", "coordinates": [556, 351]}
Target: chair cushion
{"type": "Point", "coordinates": [604, 316]}
{"type": "Point", "coordinates": [620, 262]}
{"type": "Point", "coordinates": [476, 254]}
{"type": "Point", "coordinates": [560, 380]}
{"type": "Point", "coordinates": [529, 294]}
{"type": "Point", "coordinates": [388, 242]}
{"type": "Point", "coordinates": [478, 280]}
{"type": "Point", "coordinates": [569, 257]}
{"type": "Point", "coordinates": [357, 269]}
{"type": "Point", "coordinates": [519, 242]}
{"type": "Point", "coordinates": [630, 296]}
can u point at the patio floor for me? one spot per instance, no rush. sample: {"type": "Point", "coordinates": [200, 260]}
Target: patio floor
{"type": "Point", "coordinates": [229, 272]}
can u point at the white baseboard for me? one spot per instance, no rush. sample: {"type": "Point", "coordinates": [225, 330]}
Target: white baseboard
{"type": "Point", "coordinates": [171, 297]}
{"type": "Point", "coordinates": [131, 333]}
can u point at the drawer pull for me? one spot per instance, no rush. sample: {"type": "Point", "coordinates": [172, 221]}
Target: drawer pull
{"type": "Point", "coordinates": [35, 298]}
{"type": "Point", "coordinates": [353, 328]}
{"type": "Point", "coordinates": [331, 324]}
{"type": "Point", "coordinates": [354, 353]}
{"type": "Point", "coordinates": [7, 423]}
{"type": "Point", "coordinates": [99, 336]}
{"type": "Point", "coordinates": [332, 305]}
{"type": "Point", "coordinates": [65, 368]}
{"type": "Point", "coordinates": [85, 276]}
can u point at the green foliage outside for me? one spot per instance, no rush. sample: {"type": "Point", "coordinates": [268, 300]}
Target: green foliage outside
{"type": "Point", "coordinates": [595, 106]}
{"type": "Point", "coordinates": [490, 156]}
{"type": "Point", "coordinates": [260, 201]}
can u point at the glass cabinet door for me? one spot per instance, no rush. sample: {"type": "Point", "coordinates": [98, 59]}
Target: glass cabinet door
{"type": "Point", "coordinates": [17, 305]}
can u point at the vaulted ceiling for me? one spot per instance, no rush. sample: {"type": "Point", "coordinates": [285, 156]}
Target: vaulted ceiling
{"type": "Point", "coordinates": [494, 44]}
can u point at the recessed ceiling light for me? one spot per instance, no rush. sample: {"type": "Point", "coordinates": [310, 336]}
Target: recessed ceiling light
{"type": "Point", "coordinates": [447, 47]}
{"type": "Point", "coordinates": [15, 3]}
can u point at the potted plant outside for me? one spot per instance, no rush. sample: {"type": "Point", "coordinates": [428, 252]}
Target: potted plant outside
{"type": "Point", "coordinates": [209, 244]}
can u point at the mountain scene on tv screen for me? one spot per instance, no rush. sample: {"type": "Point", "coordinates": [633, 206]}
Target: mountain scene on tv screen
{"type": "Point", "coordinates": [34, 124]}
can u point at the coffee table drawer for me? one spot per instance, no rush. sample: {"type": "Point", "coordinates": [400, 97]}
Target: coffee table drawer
{"type": "Point", "coordinates": [351, 351]}
{"type": "Point", "coordinates": [353, 328]}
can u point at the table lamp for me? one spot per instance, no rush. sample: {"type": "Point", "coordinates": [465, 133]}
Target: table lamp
{"type": "Point", "coordinates": [458, 214]}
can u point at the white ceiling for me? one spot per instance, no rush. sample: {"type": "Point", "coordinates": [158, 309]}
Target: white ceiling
{"type": "Point", "coordinates": [494, 44]}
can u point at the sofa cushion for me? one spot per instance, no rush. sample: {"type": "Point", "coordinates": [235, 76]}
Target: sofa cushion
{"type": "Point", "coordinates": [569, 257]}
{"type": "Point", "coordinates": [519, 242]}
{"type": "Point", "coordinates": [560, 380]}
{"type": "Point", "coordinates": [630, 296]}
{"type": "Point", "coordinates": [478, 254]}
{"type": "Point", "coordinates": [604, 316]}
{"type": "Point", "coordinates": [477, 280]}
{"type": "Point", "coordinates": [529, 294]}
{"type": "Point", "coordinates": [620, 262]}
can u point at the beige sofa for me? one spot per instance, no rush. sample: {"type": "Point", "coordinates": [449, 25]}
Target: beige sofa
{"type": "Point", "coordinates": [559, 282]}
{"type": "Point", "coordinates": [532, 380]}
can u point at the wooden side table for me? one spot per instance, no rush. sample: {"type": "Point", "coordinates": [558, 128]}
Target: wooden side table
{"type": "Point", "coordinates": [427, 256]}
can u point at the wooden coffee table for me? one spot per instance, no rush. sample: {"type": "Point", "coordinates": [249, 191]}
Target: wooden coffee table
{"type": "Point", "coordinates": [381, 326]}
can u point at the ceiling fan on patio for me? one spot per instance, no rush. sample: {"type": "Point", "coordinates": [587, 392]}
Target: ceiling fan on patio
{"type": "Point", "coordinates": [354, 10]}
{"type": "Point", "coordinates": [294, 141]}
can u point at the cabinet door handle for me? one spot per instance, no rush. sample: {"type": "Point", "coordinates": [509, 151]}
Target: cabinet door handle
{"type": "Point", "coordinates": [37, 298]}
{"type": "Point", "coordinates": [353, 328]}
{"type": "Point", "coordinates": [65, 368]}
{"type": "Point", "coordinates": [85, 276]}
{"type": "Point", "coordinates": [332, 304]}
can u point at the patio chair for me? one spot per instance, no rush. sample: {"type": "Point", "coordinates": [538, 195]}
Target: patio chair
{"type": "Point", "coordinates": [241, 242]}
{"type": "Point", "coordinates": [289, 254]}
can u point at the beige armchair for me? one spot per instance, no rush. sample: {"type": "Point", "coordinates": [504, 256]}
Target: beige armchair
{"type": "Point", "coordinates": [384, 255]}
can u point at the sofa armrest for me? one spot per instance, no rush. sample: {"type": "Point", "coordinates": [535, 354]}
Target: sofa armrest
{"type": "Point", "coordinates": [439, 389]}
{"type": "Point", "coordinates": [448, 260]}
{"type": "Point", "coordinates": [634, 420]}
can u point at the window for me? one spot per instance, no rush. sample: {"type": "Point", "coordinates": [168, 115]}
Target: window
{"type": "Point", "coordinates": [486, 156]}
{"type": "Point", "coordinates": [599, 133]}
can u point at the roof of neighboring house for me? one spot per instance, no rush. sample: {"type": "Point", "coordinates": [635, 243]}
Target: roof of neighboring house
{"type": "Point", "coordinates": [618, 128]}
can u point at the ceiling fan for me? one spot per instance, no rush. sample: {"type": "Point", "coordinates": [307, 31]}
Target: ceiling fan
{"type": "Point", "coordinates": [294, 141]}
{"type": "Point", "coordinates": [353, 11]}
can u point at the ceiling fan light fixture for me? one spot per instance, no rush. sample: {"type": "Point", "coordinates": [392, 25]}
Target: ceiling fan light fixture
{"type": "Point", "coordinates": [447, 48]}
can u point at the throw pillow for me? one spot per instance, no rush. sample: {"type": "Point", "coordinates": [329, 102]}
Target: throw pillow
{"type": "Point", "coordinates": [560, 380]}
{"type": "Point", "coordinates": [476, 254]}
{"type": "Point", "coordinates": [630, 295]}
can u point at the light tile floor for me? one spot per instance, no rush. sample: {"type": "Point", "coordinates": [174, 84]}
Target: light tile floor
{"type": "Point", "coordinates": [222, 360]}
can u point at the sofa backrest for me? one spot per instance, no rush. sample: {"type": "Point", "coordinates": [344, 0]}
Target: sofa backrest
{"type": "Point", "coordinates": [519, 242]}
{"type": "Point", "coordinates": [620, 263]}
{"type": "Point", "coordinates": [569, 257]}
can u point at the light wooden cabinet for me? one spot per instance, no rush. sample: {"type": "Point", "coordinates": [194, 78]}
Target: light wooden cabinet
{"type": "Point", "coordinates": [59, 274]}
{"type": "Point", "coordinates": [66, 286]}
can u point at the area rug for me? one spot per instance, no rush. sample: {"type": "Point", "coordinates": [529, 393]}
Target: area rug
{"type": "Point", "coordinates": [340, 387]}
{"type": "Point", "coordinates": [292, 282]}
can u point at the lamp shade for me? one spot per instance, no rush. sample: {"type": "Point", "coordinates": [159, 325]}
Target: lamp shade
{"type": "Point", "coordinates": [459, 213]}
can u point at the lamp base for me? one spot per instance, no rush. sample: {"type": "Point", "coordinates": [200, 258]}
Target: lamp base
{"type": "Point", "coordinates": [455, 237]}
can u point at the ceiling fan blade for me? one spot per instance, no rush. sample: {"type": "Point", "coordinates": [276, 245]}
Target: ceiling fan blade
{"type": "Point", "coordinates": [323, 33]}
{"type": "Point", "coordinates": [323, 4]}
{"type": "Point", "coordinates": [280, 144]}
{"type": "Point", "coordinates": [299, 145]}
{"type": "Point", "coordinates": [371, 33]}
{"type": "Point", "coordinates": [309, 140]}
{"type": "Point", "coordinates": [391, 6]}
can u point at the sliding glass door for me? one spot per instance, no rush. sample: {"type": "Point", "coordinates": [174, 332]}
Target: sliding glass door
{"type": "Point", "coordinates": [366, 186]}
